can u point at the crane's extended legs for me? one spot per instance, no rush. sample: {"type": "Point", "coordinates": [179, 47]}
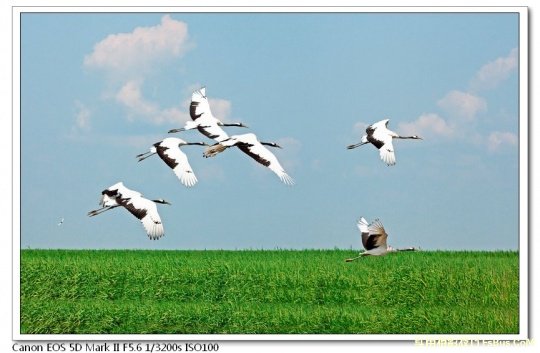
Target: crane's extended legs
{"type": "Point", "coordinates": [350, 147]}
{"type": "Point", "coordinates": [354, 258]}
{"type": "Point", "coordinates": [143, 156]}
{"type": "Point", "coordinates": [101, 210]}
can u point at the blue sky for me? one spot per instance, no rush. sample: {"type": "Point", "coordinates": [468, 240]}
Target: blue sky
{"type": "Point", "coordinates": [97, 89]}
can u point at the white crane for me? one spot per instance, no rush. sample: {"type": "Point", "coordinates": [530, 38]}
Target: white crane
{"type": "Point", "coordinates": [381, 137]}
{"type": "Point", "coordinates": [61, 222]}
{"type": "Point", "coordinates": [203, 120]}
{"type": "Point", "coordinates": [169, 151]}
{"type": "Point", "coordinates": [145, 210]}
{"type": "Point", "coordinates": [250, 145]}
{"type": "Point", "coordinates": [374, 239]}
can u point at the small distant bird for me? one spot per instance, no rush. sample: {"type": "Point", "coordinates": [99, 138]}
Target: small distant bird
{"type": "Point", "coordinates": [169, 151]}
{"type": "Point", "coordinates": [145, 210]}
{"type": "Point", "coordinates": [250, 145]}
{"type": "Point", "coordinates": [203, 120]}
{"type": "Point", "coordinates": [61, 222]}
{"type": "Point", "coordinates": [381, 137]}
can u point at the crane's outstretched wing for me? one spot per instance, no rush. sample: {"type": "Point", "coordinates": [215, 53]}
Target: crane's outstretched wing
{"type": "Point", "coordinates": [213, 131]}
{"type": "Point", "coordinates": [377, 236]}
{"type": "Point", "coordinates": [110, 195]}
{"type": "Point", "coordinates": [178, 162]}
{"type": "Point", "coordinates": [200, 112]}
{"type": "Point", "coordinates": [199, 104]}
{"type": "Point", "coordinates": [387, 153]}
{"type": "Point", "coordinates": [362, 225]}
{"type": "Point", "coordinates": [146, 211]}
{"type": "Point", "coordinates": [263, 156]}
{"type": "Point", "coordinates": [379, 135]}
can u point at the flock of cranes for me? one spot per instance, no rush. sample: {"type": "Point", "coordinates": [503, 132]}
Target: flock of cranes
{"type": "Point", "coordinates": [169, 150]}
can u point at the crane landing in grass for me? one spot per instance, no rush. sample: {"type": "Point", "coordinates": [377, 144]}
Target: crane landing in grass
{"type": "Point", "coordinates": [145, 210]}
{"type": "Point", "coordinates": [381, 137]}
{"type": "Point", "coordinates": [374, 238]}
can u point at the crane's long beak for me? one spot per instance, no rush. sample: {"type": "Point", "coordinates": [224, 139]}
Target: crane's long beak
{"type": "Point", "coordinates": [271, 144]}
{"type": "Point", "coordinates": [172, 131]}
{"type": "Point", "coordinates": [161, 201]}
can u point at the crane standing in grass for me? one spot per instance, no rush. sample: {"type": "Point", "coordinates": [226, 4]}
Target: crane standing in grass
{"type": "Point", "coordinates": [381, 137]}
{"type": "Point", "coordinates": [145, 210]}
{"type": "Point", "coordinates": [169, 151]}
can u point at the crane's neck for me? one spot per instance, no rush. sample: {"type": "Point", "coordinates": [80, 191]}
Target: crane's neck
{"type": "Point", "coordinates": [414, 137]}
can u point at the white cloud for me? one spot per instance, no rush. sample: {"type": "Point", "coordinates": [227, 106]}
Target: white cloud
{"type": "Point", "coordinates": [497, 139]}
{"type": "Point", "coordinates": [140, 49]}
{"type": "Point", "coordinates": [81, 126]}
{"type": "Point", "coordinates": [461, 108]}
{"type": "Point", "coordinates": [462, 104]}
{"type": "Point", "coordinates": [490, 75]}
{"type": "Point", "coordinates": [427, 125]}
{"type": "Point", "coordinates": [221, 108]}
{"type": "Point", "coordinates": [359, 128]}
{"type": "Point", "coordinates": [131, 97]}
{"type": "Point", "coordinates": [82, 116]}
{"type": "Point", "coordinates": [128, 58]}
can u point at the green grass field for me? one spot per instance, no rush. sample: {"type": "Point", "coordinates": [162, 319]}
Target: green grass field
{"type": "Point", "coordinates": [267, 292]}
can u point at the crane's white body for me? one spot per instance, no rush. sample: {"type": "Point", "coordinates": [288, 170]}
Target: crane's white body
{"type": "Point", "coordinates": [169, 152]}
{"type": "Point", "coordinates": [145, 210]}
{"type": "Point", "coordinates": [383, 134]}
{"type": "Point", "coordinates": [250, 145]}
